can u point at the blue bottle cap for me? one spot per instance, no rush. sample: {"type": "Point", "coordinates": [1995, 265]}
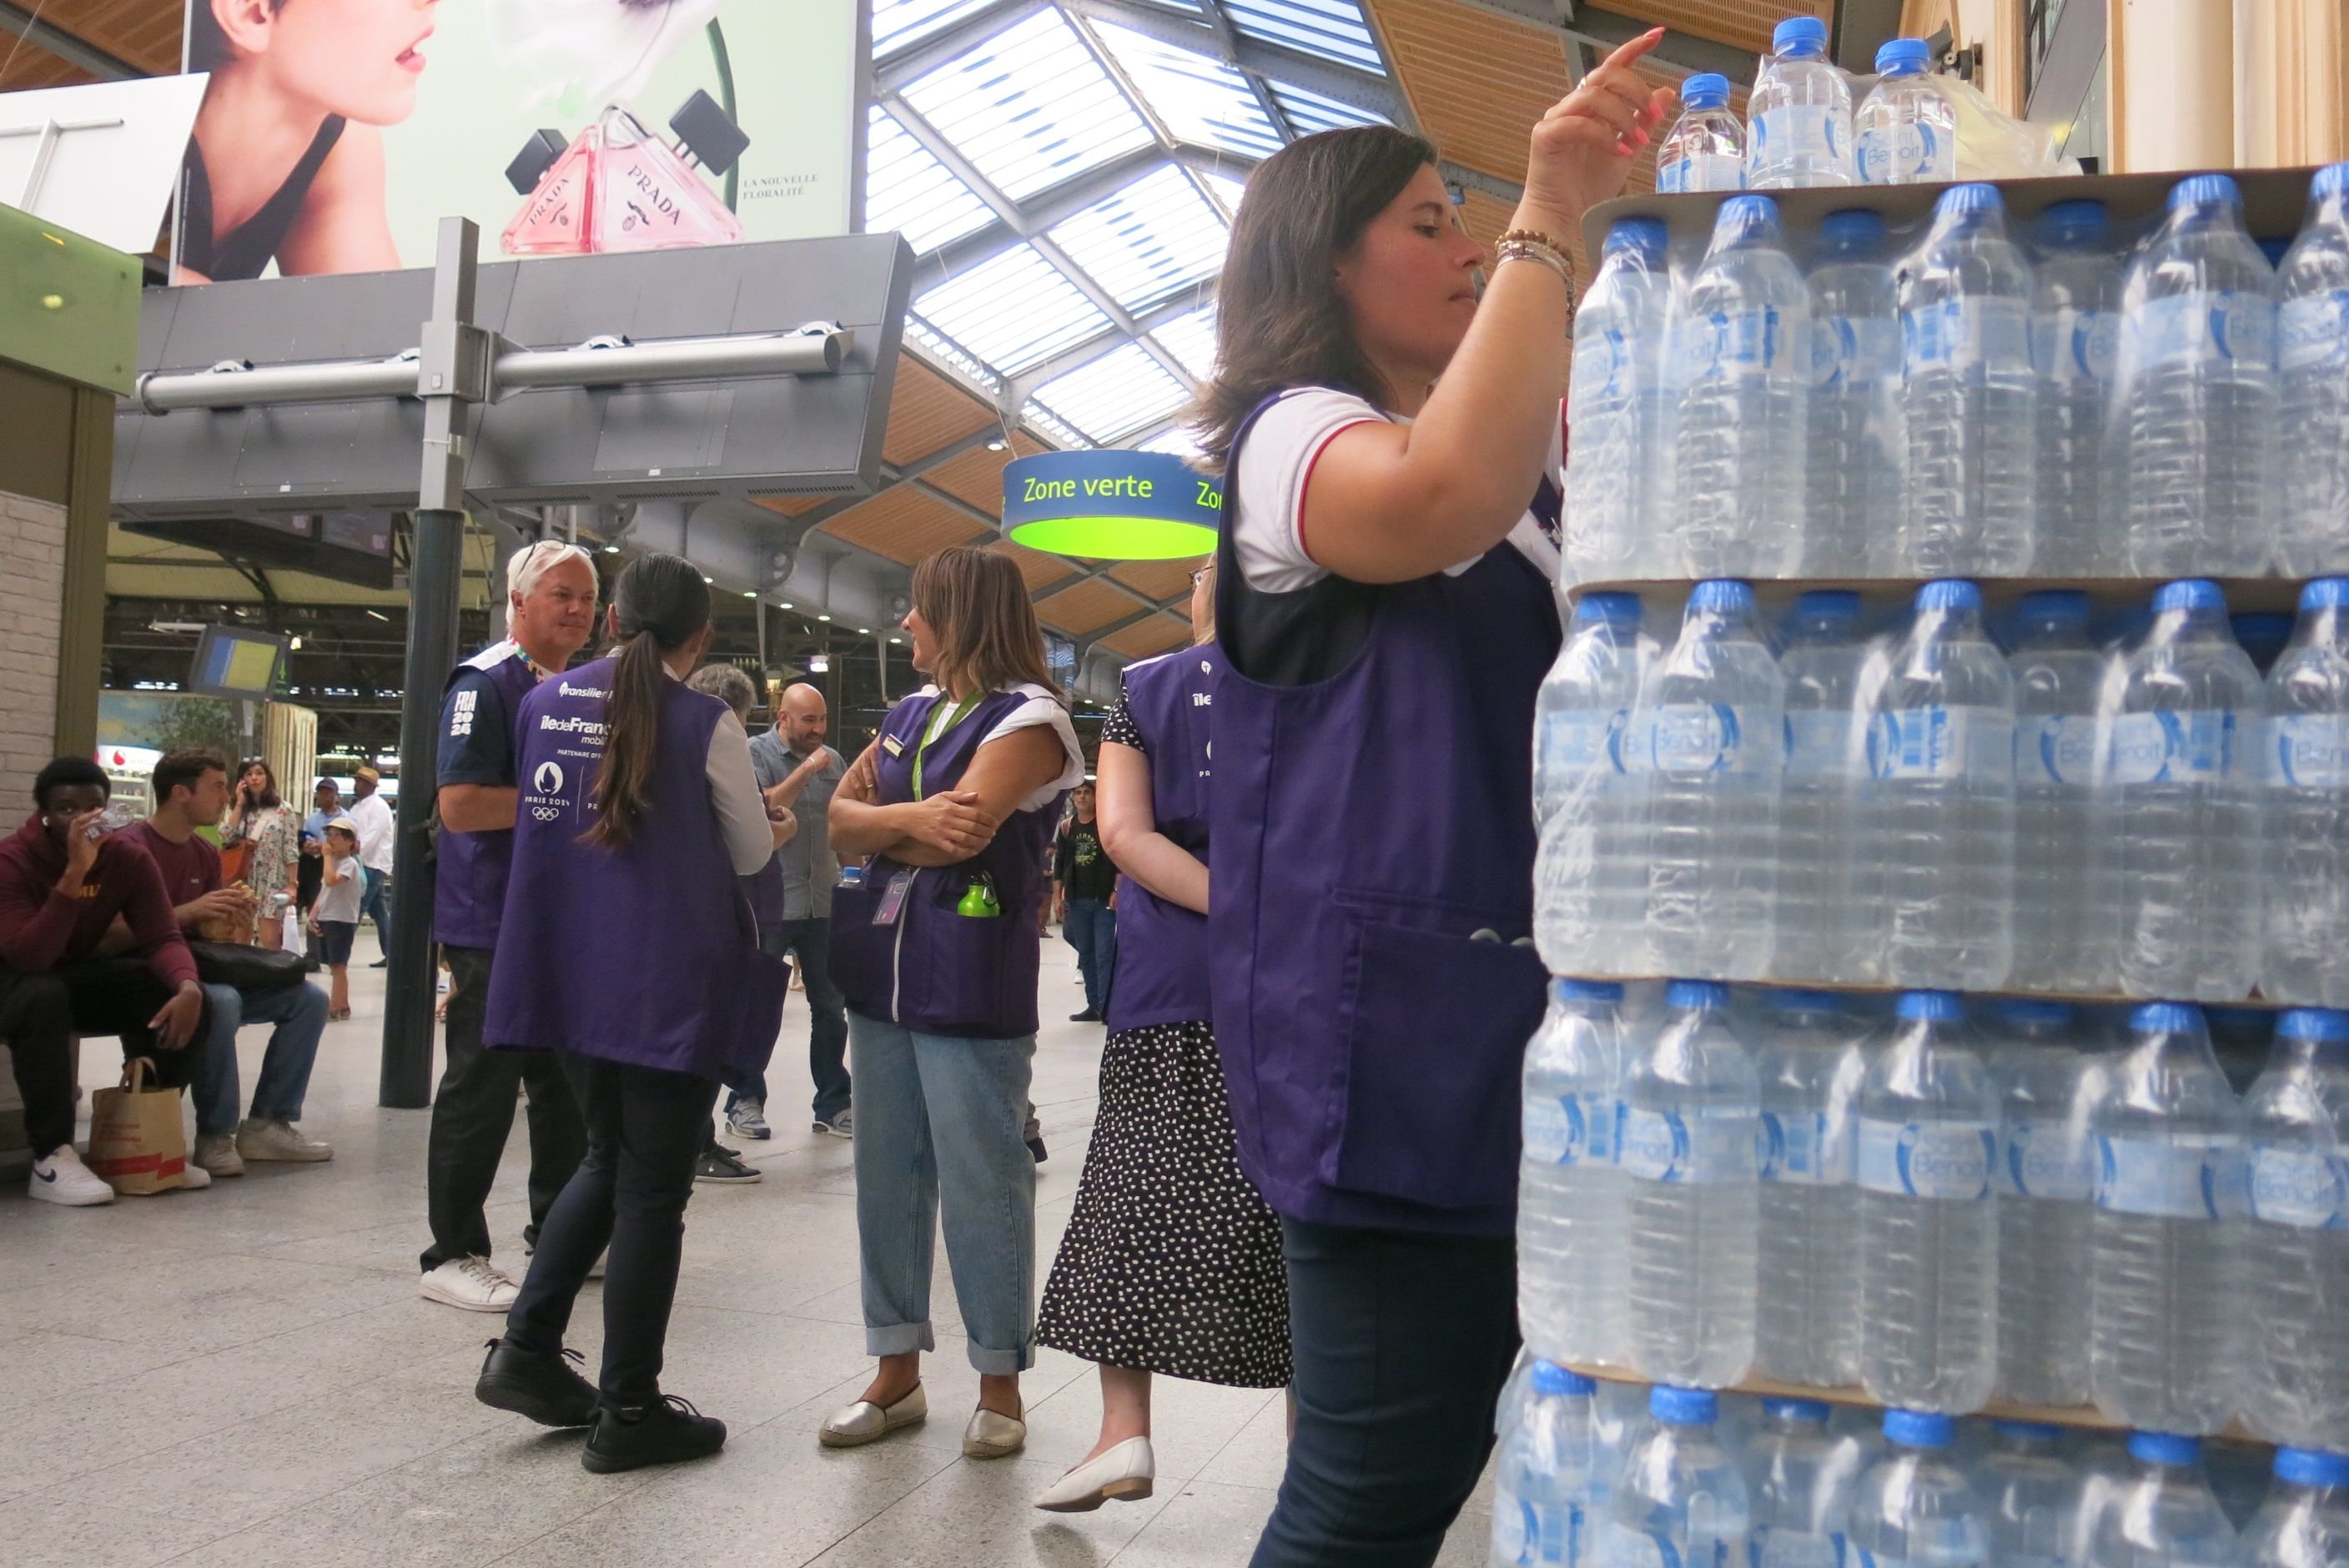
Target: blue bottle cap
{"type": "Point", "coordinates": [2327, 1024]}
{"type": "Point", "coordinates": [1646, 236]}
{"type": "Point", "coordinates": [1800, 36]}
{"type": "Point", "coordinates": [1706, 90]}
{"type": "Point", "coordinates": [2166, 1018]}
{"type": "Point", "coordinates": [2329, 181]}
{"type": "Point", "coordinates": [1726, 595]}
{"type": "Point", "coordinates": [1937, 1007]}
{"type": "Point", "coordinates": [2062, 606]}
{"type": "Point", "coordinates": [1919, 1428]}
{"type": "Point", "coordinates": [2312, 1467]}
{"type": "Point", "coordinates": [1855, 229]}
{"type": "Point", "coordinates": [1948, 594]}
{"type": "Point", "coordinates": [1840, 605]}
{"type": "Point", "coordinates": [1551, 1378]}
{"type": "Point", "coordinates": [1801, 1001]}
{"type": "Point", "coordinates": [2191, 594]}
{"type": "Point", "coordinates": [1683, 1406]}
{"type": "Point", "coordinates": [1814, 1411]}
{"type": "Point", "coordinates": [1620, 610]}
{"type": "Point", "coordinates": [1903, 57]}
{"type": "Point", "coordinates": [2205, 191]}
{"type": "Point", "coordinates": [1586, 990]}
{"type": "Point", "coordinates": [2030, 1432]}
{"type": "Point", "coordinates": [1974, 198]}
{"type": "Point", "coordinates": [2073, 224]}
{"type": "Point", "coordinates": [2326, 593]}
{"type": "Point", "coordinates": [2164, 1448]}
{"type": "Point", "coordinates": [1696, 993]}
{"type": "Point", "coordinates": [2027, 1010]}
{"type": "Point", "coordinates": [1747, 217]}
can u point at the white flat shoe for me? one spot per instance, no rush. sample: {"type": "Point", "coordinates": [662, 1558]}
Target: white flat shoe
{"type": "Point", "coordinates": [1125, 1472]}
{"type": "Point", "coordinates": [991, 1436]}
{"type": "Point", "coordinates": [854, 1426]}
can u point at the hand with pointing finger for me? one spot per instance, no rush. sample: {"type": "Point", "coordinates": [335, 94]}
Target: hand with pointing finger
{"type": "Point", "coordinates": [1581, 150]}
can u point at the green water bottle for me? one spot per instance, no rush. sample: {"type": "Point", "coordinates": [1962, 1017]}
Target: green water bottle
{"type": "Point", "coordinates": [978, 900]}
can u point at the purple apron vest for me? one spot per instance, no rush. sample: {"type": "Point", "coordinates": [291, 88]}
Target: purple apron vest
{"type": "Point", "coordinates": [935, 971]}
{"type": "Point", "coordinates": [644, 955]}
{"type": "Point", "coordinates": [469, 889]}
{"type": "Point", "coordinates": [764, 888]}
{"type": "Point", "coordinates": [1371, 853]}
{"type": "Point", "coordinates": [1161, 947]}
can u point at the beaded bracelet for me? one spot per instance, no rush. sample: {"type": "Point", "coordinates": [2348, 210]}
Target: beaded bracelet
{"type": "Point", "coordinates": [1526, 250]}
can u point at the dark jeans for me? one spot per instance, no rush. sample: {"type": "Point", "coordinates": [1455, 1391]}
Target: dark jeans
{"type": "Point", "coordinates": [375, 901]}
{"type": "Point", "coordinates": [1091, 930]}
{"type": "Point", "coordinates": [809, 941]}
{"type": "Point", "coordinates": [644, 1128]}
{"type": "Point", "coordinates": [1402, 1342]}
{"type": "Point", "coordinates": [472, 1113]}
{"type": "Point", "coordinates": [36, 1020]}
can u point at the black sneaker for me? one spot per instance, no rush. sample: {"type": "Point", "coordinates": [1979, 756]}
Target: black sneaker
{"type": "Point", "coordinates": [1087, 1017]}
{"type": "Point", "coordinates": [720, 1164]}
{"type": "Point", "coordinates": [664, 1434]}
{"type": "Point", "coordinates": [532, 1382]}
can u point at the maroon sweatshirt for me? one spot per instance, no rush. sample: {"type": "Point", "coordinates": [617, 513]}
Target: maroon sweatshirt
{"type": "Point", "coordinates": [41, 930]}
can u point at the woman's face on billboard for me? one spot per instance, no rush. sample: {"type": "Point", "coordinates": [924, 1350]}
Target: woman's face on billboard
{"type": "Point", "coordinates": [356, 58]}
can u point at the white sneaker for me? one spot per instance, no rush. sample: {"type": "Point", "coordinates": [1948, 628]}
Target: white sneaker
{"type": "Point", "coordinates": [748, 1119]}
{"type": "Point", "coordinates": [471, 1285]}
{"type": "Point", "coordinates": [261, 1139]}
{"type": "Point", "coordinates": [194, 1177]}
{"type": "Point", "coordinates": [216, 1152]}
{"type": "Point", "coordinates": [62, 1179]}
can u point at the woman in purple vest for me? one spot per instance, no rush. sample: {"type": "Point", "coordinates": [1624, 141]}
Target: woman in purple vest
{"type": "Point", "coordinates": [936, 953]}
{"type": "Point", "coordinates": [1389, 441]}
{"type": "Point", "coordinates": [628, 948]}
{"type": "Point", "coordinates": [1171, 1263]}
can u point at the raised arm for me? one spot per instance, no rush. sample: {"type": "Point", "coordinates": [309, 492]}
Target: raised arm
{"type": "Point", "coordinates": [1129, 830]}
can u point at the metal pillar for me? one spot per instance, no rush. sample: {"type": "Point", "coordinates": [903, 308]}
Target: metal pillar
{"type": "Point", "coordinates": [452, 375]}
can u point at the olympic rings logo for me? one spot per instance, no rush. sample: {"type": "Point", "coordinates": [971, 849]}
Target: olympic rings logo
{"type": "Point", "coordinates": [545, 813]}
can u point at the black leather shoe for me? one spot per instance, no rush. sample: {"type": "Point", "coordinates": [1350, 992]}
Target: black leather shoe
{"type": "Point", "coordinates": [532, 1382]}
{"type": "Point", "coordinates": [664, 1434]}
{"type": "Point", "coordinates": [1087, 1017]}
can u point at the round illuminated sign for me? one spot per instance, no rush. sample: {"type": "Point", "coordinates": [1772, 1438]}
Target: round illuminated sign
{"type": "Point", "coordinates": [1112, 505]}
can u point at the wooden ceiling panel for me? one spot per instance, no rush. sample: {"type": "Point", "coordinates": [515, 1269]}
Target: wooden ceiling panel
{"type": "Point", "coordinates": [140, 33]}
{"type": "Point", "coordinates": [976, 476]}
{"type": "Point", "coordinates": [1145, 638]}
{"type": "Point", "coordinates": [1038, 568]}
{"type": "Point", "coordinates": [1082, 606]}
{"type": "Point", "coordinates": [927, 411]}
{"type": "Point", "coordinates": [904, 524]}
{"type": "Point", "coordinates": [1159, 579]}
{"type": "Point", "coordinates": [1747, 24]}
{"type": "Point", "coordinates": [1478, 81]}
{"type": "Point", "coordinates": [791, 505]}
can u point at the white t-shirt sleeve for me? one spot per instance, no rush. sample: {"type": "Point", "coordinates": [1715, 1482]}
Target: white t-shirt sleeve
{"type": "Point", "coordinates": [1043, 708]}
{"type": "Point", "coordinates": [742, 820]}
{"type": "Point", "coordinates": [1277, 458]}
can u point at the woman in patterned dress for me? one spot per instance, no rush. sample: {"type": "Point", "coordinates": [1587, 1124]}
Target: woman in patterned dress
{"type": "Point", "coordinates": [257, 817]}
{"type": "Point", "coordinates": [1172, 1262]}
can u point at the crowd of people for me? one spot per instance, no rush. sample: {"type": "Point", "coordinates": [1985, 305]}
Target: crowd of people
{"type": "Point", "coordinates": [1302, 1174]}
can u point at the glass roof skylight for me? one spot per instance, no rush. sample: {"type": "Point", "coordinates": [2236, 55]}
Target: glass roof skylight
{"type": "Point", "coordinates": [1309, 112]}
{"type": "Point", "coordinates": [1012, 311]}
{"type": "Point", "coordinates": [1198, 100]}
{"type": "Point", "coordinates": [1333, 29]}
{"type": "Point", "coordinates": [1150, 240]}
{"type": "Point", "coordinates": [1191, 339]}
{"type": "Point", "coordinates": [1029, 107]}
{"type": "Point", "coordinates": [899, 24]}
{"type": "Point", "coordinates": [1121, 391]}
{"type": "Point", "coordinates": [907, 189]}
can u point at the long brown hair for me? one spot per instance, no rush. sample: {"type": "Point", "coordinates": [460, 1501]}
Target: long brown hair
{"type": "Point", "coordinates": [660, 602]}
{"type": "Point", "coordinates": [978, 612]}
{"type": "Point", "coordinates": [1279, 319]}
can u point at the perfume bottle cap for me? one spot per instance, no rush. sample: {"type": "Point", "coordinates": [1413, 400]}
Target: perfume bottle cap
{"type": "Point", "coordinates": [536, 157]}
{"type": "Point", "coordinates": [704, 130]}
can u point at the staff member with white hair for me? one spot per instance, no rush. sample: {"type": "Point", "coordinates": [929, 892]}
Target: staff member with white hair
{"type": "Point", "coordinates": [550, 592]}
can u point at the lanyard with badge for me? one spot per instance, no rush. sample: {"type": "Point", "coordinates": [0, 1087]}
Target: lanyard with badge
{"type": "Point", "coordinates": [981, 898]}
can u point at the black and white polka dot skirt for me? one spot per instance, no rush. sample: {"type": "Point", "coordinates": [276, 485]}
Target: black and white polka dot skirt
{"type": "Point", "coordinates": [1171, 1261]}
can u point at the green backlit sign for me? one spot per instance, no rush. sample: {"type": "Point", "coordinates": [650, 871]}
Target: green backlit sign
{"type": "Point", "coordinates": [1112, 506]}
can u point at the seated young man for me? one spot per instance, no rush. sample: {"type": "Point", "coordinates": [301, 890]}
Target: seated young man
{"type": "Point", "coordinates": [63, 881]}
{"type": "Point", "coordinates": [190, 789]}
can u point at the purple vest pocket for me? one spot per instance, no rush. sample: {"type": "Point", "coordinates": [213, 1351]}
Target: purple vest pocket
{"type": "Point", "coordinates": [1433, 1024]}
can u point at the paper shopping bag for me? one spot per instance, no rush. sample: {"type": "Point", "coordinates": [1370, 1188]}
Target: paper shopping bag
{"type": "Point", "coordinates": [136, 1143]}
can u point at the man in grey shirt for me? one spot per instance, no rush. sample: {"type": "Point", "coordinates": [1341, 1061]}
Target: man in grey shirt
{"type": "Point", "coordinates": [793, 754]}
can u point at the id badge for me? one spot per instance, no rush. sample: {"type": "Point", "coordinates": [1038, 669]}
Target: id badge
{"type": "Point", "coordinates": [893, 898]}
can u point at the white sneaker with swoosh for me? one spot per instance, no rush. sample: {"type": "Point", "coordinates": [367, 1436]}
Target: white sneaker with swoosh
{"type": "Point", "coordinates": [62, 1179]}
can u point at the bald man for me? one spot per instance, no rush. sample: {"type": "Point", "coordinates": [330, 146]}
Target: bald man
{"type": "Point", "coordinates": [793, 755]}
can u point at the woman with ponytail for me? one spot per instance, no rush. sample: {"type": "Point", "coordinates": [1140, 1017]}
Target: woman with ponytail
{"type": "Point", "coordinates": [628, 949]}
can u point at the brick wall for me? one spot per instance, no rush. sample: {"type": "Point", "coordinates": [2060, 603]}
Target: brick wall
{"type": "Point", "coordinates": [32, 595]}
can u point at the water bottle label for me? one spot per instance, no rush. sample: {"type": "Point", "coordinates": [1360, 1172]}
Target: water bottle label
{"type": "Point", "coordinates": [1939, 742]}
{"type": "Point", "coordinates": [1768, 1548]}
{"type": "Point", "coordinates": [1794, 132]}
{"type": "Point", "coordinates": [2307, 751]}
{"type": "Point", "coordinates": [1920, 1160]}
{"type": "Point", "coordinates": [1692, 1147]}
{"type": "Point", "coordinates": [1854, 351]}
{"type": "Point", "coordinates": [1579, 741]}
{"type": "Point", "coordinates": [1628, 1548]}
{"type": "Point", "coordinates": [1898, 154]}
{"type": "Point", "coordinates": [1545, 1130]}
{"type": "Point", "coordinates": [1735, 346]}
{"type": "Point", "coordinates": [2192, 746]}
{"type": "Point", "coordinates": [1702, 737]}
{"type": "Point", "coordinates": [2313, 331]}
{"type": "Point", "coordinates": [2213, 325]}
{"type": "Point", "coordinates": [2301, 1188]}
{"type": "Point", "coordinates": [1970, 335]}
{"type": "Point", "coordinates": [2187, 1177]}
{"type": "Point", "coordinates": [1570, 1129]}
{"type": "Point", "coordinates": [1819, 744]}
{"type": "Point", "coordinates": [2071, 344]}
{"type": "Point", "coordinates": [1602, 365]}
{"type": "Point", "coordinates": [1701, 171]}
{"type": "Point", "coordinates": [2056, 749]}
{"type": "Point", "coordinates": [1521, 1535]}
{"type": "Point", "coordinates": [2044, 1157]}
{"type": "Point", "coordinates": [1805, 1149]}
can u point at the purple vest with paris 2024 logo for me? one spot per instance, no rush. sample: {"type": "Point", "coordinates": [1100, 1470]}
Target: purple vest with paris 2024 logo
{"type": "Point", "coordinates": [937, 970]}
{"type": "Point", "coordinates": [468, 888]}
{"type": "Point", "coordinates": [646, 953]}
{"type": "Point", "coordinates": [1371, 853]}
{"type": "Point", "coordinates": [1161, 947]}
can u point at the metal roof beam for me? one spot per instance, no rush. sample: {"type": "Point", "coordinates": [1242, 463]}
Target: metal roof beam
{"type": "Point", "coordinates": [1040, 212]}
{"type": "Point", "coordinates": [1346, 84]}
{"type": "Point", "coordinates": [1607, 30]}
{"type": "Point", "coordinates": [67, 46]}
{"type": "Point", "coordinates": [1021, 385]}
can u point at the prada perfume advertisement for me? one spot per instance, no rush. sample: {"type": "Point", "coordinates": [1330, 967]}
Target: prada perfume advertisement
{"type": "Point", "coordinates": [336, 134]}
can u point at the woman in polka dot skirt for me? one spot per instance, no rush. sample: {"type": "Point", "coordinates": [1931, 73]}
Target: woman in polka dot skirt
{"type": "Point", "coordinates": [1172, 1262]}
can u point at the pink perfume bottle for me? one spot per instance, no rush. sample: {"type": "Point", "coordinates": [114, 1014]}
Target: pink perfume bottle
{"type": "Point", "coordinates": [617, 187]}
{"type": "Point", "coordinates": [553, 222]}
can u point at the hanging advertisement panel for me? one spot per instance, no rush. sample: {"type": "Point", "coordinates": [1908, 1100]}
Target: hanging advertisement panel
{"type": "Point", "coordinates": [336, 134]}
